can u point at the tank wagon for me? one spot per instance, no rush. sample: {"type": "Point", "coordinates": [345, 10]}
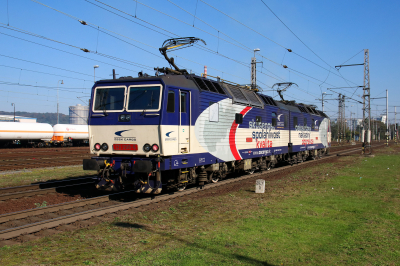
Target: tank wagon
{"type": "Point", "coordinates": [27, 134]}
{"type": "Point", "coordinates": [42, 134]}
{"type": "Point", "coordinates": [70, 135]}
{"type": "Point", "coordinates": [169, 131]}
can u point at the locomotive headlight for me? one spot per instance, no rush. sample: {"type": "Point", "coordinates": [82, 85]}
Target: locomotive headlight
{"type": "Point", "coordinates": [97, 146]}
{"type": "Point", "coordinates": [104, 146]}
{"type": "Point", "coordinates": [146, 147]}
{"type": "Point", "coordinates": [155, 147]}
{"type": "Point", "coordinates": [124, 118]}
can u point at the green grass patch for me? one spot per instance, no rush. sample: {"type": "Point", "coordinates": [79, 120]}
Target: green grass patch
{"type": "Point", "coordinates": [28, 177]}
{"type": "Point", "coordinates": [331, 215]}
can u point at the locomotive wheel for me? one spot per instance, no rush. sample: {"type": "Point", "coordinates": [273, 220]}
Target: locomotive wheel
{"type": "Point", "coordinates": [214, 178]}
{"type": "Point", "coordinates": [299, 158]}
{"type": "Point", "coordinates": [269, 166]}
{"type": "Point", "coordinates": [294, 159]}
{"type": "Point", "coordinates": [181, 187]}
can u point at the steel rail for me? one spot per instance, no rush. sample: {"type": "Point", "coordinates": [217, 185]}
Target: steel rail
{"type": "Point", "coordinates": [36, 192]}
{"type": "Point", "coordinates": [51, 223]}
{"type": "Point", "coordinates": [42, 185]}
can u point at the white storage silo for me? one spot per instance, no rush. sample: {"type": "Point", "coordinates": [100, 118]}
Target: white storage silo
{"type": "Point", "coordinates": [78, 114]}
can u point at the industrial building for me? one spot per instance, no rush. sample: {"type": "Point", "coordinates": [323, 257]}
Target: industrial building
{"type": "Point", "coordinates": [23, 119]}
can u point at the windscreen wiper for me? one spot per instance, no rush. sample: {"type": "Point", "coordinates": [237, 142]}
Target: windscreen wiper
{"type": "Point", "coordinates": [104, 110]}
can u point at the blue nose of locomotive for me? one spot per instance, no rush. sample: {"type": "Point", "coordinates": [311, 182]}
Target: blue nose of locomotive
{"type": "Point", "coordinates": [125, 120]}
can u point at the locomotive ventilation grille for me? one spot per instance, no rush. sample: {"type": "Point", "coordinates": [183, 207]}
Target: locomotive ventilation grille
{"type": "Point", "coordinates": [207, 85]}
{"type": "Point", "coordinates": [244, 96]}
{"type": "Point", "coordinates": [267, 100]}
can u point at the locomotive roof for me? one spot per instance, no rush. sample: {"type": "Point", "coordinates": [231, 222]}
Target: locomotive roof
{"type": "Point", "coordinates": [288, 107]}
{"type": "Point", "coordinates": [239, 94]}
{"type": "Point", "coordinates": [171, 80]}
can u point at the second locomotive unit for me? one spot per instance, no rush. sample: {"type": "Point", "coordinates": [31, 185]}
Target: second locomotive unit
{"type": "Point", "coordinates": [171, 130]}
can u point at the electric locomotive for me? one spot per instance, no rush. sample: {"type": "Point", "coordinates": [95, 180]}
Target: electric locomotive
{"type": "Point", "coordinates": [168, 131]}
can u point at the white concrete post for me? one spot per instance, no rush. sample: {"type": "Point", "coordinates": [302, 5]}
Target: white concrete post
{"type": "Point", "coordinates": [260, 186]}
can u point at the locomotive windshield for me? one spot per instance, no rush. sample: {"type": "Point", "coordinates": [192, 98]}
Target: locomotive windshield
{"type": "Point", "coordinates": [144, 98]}
{"type": "Point", "coordinates": [109, 99]}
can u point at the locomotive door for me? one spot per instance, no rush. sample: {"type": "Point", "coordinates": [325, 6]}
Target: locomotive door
{"type": "Point", "coordinates": [184, 121]}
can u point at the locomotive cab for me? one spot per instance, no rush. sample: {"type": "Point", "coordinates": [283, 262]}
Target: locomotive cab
{"type": "Point", "coordinates": [125, 119]}
{"type": "Point", "coordinates": [132, 124]}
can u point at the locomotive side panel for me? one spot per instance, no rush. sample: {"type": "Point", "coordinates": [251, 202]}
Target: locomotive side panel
{"type": "Point", "coordinates": [220, 135]}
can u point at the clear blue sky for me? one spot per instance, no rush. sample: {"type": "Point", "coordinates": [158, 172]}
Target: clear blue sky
{"type": "Point", "coordinates": [32, 67]}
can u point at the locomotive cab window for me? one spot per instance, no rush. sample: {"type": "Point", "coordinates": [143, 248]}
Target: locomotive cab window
{"type": "Point", "coordinates": [305, 121]}
{"type": "Point", "coordinates": [171, 102]}
{"type": "Point", "coordinates": [183, 102]}
{"type": "Point", "coordinates": [144, 98]}
{"type": "Point", "coordinates": [295, 121]}
{"type": "Point", "coordinates": [109, 99]}
{"type": "Point", "coordinates": [312, 124]}
{"type": "Point", "coordinates": [273, 119]}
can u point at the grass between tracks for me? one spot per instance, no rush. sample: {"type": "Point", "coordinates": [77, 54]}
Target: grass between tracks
{"type": "Point", "coordinates": [335, 214]}
{"type": "Point", "coordinates": [32, 176]}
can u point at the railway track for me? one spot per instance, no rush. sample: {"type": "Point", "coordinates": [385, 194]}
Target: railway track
{"type": "Point", "coordinates": [55, 157]}
{"type": "Point", "coordinates": [43, 188]}
{"type": "Point", "coordinates": [11, 160]}
{"type": "Point", "coordinates": [20, 225]}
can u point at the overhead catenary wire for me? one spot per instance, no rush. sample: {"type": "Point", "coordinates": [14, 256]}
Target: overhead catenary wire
{"type": "Point", "coordinates": [352, 57]}
{"type": "Point", "coordinates": [33, 94]}
{"type": "Point", "coordinates": [40, 64]}
{"type": "Point", "coordinates": [41, 72]}
{"type": "Point", "coordinates": [244, 25]}
{"type": "Point", "coordinates": [68, 89]}
{"type": "Point", "coordinates": [73, 46]}
{"type": "Point", "coordinates": [199, 47]}
{"type": "Point", "coordinates": [218, 30]}
{"type": "Point", "coordinates": [84, 22]}
{"type": "Point", "coordinates": [30, 103]}
{"type": "Point", "coordinates": [211, 51]}
{"type": "Point", "coordinates": [203, 48]}
{"type": "Point", "coordinates": [220, 70]}
{"type": "Point", "coordinates": [272, 41]}
{"type": "Point", "coordinates": [294, 34]}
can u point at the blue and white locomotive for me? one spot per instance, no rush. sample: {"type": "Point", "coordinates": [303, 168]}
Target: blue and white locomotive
{"type": "Point", "coordinates": [171, 130]}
